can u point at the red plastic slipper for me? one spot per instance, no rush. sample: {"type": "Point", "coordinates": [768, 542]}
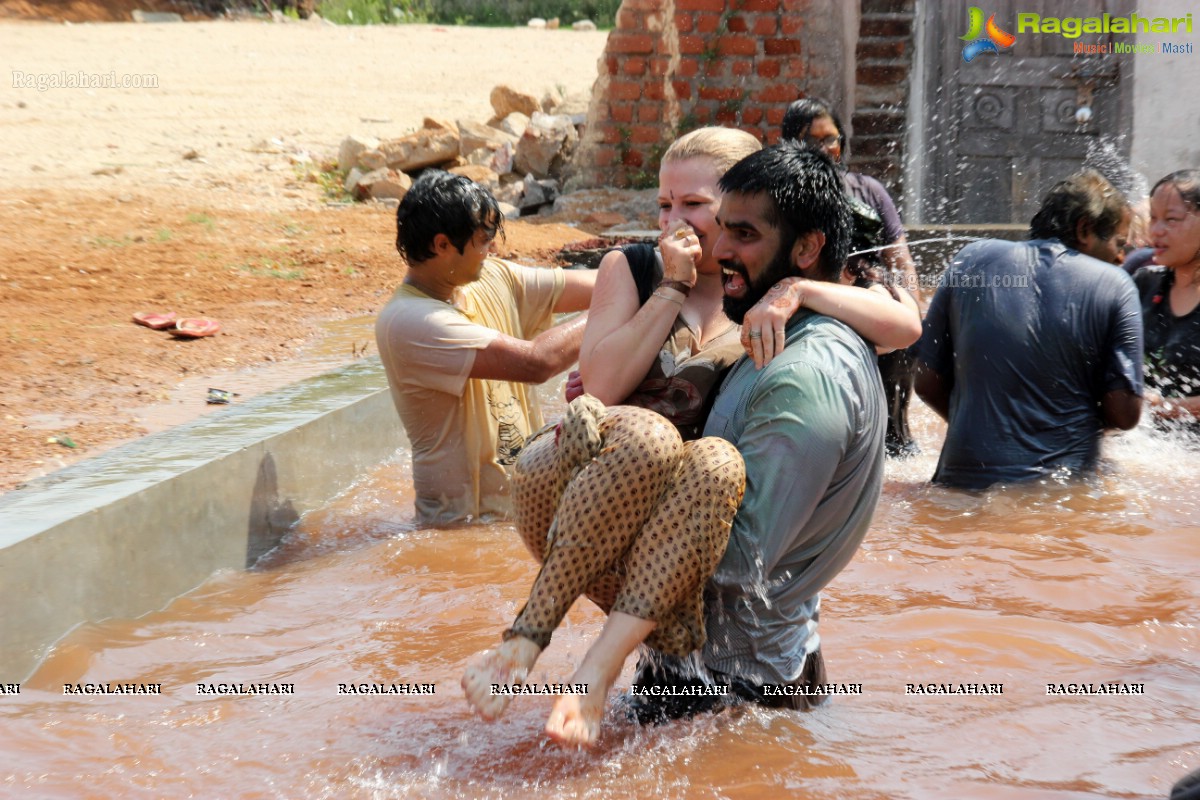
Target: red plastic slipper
{"type": "Point", "coordinates": [154, 321]}
{"type": "Point", "coordinates": [195, 328]}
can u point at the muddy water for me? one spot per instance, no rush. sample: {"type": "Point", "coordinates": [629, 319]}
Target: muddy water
{"type": "Point", "coordinates": [1024, 587]}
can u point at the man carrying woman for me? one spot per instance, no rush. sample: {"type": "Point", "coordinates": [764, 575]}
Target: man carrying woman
{"type": "Point", "coordinates": [616, 505]}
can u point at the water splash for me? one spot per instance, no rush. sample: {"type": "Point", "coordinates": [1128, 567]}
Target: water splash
{"type": "Point", "coordinates": [933, 239]}
{"type": "Point", "coordinates": [1104, 155]}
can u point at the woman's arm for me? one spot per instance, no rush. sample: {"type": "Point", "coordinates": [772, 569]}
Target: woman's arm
{"type": "Point", "coordinates": [876, 317]}
{"type": "Point", "coordinates": [903, 297]}
{"type": "Point", "coordinates": [622, 341]}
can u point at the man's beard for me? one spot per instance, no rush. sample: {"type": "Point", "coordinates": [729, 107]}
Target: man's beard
{"type": "Point", "coordinates": [780, 267]}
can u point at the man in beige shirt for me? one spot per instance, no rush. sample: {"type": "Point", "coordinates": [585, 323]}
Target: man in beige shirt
{"type": "Point", "coordinates": [462, 340]}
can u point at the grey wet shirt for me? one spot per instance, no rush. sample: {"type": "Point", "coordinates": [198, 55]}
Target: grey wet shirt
{"type": "Point", "coordinates": [1030, 335]}
{"type": "Point", "coordinates": [810, 427]}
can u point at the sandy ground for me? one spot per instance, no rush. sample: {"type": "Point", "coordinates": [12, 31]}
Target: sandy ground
{"type": "Point", "coordinates": [230, 91]}
{"type": "Point", "coordinates": [185, 198]}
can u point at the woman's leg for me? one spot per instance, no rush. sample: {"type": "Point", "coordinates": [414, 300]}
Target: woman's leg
{"type": "Point", "coordinates": [615, 465]}
{"type": "Point", "coordinates": [603, 509]}
{"type": "Point", "coordinates": [537, 488]}
{"type": "Point", "coordinates": [661, 598]}
{"type": "Point", "coordinates": [896, 370]}
{"type": "Point", "coordinates": [679, 548]}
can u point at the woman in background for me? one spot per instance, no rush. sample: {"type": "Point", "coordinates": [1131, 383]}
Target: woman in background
{"type": "Point", "coordinates": [1170, 294]}
{"type": "Point", "coordinates": [812, 121]}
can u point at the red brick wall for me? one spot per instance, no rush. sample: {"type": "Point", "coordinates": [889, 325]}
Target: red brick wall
{"type": "Point", "coordinates": [674, 65]}
{"type": "Point", "coordinates": [671, 66]}
{"type": "Point", "coordinates": [882, 70]}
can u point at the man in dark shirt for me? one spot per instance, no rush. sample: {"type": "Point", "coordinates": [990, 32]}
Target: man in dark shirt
{"type": "Point", "coordinates": [1031, 349]}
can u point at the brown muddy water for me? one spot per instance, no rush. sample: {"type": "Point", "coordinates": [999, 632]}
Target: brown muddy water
{"type": "Point", "coordinates": [1024, 587]}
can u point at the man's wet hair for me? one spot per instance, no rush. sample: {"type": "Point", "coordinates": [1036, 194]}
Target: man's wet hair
{"type": "Point", "coordinates": [1086, 196]}
{"type": "Point", "coordinates": [800, 115]}
{"type": "Point", "coordinates": [440, 202]}
{"type": "Point", "coordinates": [806, 193]}
{"type": "Point", "coordinates": [1187, 183]}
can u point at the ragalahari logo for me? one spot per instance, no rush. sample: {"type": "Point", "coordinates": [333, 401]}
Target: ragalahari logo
{"type": "Point", "coordinates": [983, 38]}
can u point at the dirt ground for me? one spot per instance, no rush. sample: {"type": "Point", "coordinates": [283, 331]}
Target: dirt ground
{"type": "Point", "coordinates": [194, 197]}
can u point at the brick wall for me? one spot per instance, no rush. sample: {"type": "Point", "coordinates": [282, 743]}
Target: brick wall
{"type": "Point", "coordinates": [674, 65]}
{"type": "Point", "coordinates": [883, 66]}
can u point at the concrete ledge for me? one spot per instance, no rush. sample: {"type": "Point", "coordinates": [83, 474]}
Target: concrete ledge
{"type": "Point", "coordinates": [124, 533]}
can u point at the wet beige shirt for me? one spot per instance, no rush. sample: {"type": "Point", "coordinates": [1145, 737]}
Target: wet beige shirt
{"type": "Point", "coordinates": [464, 432]}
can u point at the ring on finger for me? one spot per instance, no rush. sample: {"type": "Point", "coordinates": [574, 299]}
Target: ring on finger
{"type": "Point", "coordinates": [755, 334]}
{"type": "Point", "coordinates": [681, 233]}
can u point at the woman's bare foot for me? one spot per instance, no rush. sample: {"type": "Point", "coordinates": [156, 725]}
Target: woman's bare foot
{"type": "Point", "coordinates": [575, 718]}
{"type": "Point", "coordinates": [507, 664]}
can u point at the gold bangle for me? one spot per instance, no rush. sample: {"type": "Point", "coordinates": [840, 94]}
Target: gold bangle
{"type": "Point", "coordinates": [668, 298]}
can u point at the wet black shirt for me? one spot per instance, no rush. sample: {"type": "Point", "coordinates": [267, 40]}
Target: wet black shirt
{"type": "Point", "coordinates": [1031, 335]}
{"type": "Point", "coordinates": [1172, 343]}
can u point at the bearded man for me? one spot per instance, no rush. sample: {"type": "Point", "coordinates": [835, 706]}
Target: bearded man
{"type": "Point", "coordinates": [810, 428]}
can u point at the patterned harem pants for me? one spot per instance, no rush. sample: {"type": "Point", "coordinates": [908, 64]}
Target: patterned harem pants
{"type": "Point", "coordinates": [615, 505]}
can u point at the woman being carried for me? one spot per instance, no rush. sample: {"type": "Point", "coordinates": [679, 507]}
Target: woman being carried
{"type": "Point", "coordinates": [624, 503]}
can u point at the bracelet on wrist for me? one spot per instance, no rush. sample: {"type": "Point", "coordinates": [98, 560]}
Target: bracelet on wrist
{"type": "Point", "coordinates": [676, 300]}
{"type": "Point", "coordinates": [678, 286]}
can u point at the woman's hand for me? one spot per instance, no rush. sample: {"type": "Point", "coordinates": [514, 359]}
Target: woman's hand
{"type": "Point", "coordinates": [680, 248]}
{"type": "Point", "coordinates": [574, 385]}
{"type": "Point", "coordinates": [763, 335]}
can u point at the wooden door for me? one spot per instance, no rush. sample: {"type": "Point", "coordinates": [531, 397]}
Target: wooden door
{"type": "Point", "coordinates": [1000, 130]}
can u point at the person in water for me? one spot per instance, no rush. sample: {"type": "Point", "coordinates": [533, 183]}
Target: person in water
{"type": "Point", "coordinates": [462, 340]}
{"type": "Point", "coordinates": [1032, 349]}
{"type": "Point", "coordinates": [1170, 297]}
{"type": "Point", "coordinates": [645, 547]}
{"type": "Point", "coordinates": [887, 266]}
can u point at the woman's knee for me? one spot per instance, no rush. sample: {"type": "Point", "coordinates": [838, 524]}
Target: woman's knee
{"type": "Point", "coordinates": [641, 432]}
{"type": "Point", "coordinates": [716, 464]}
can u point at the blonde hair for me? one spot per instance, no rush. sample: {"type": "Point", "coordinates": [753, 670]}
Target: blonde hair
{"type": "Point", "coordinates": [724, 147]}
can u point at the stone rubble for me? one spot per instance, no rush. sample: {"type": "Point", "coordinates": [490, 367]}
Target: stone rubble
{"type": "Point", "coordinates": [521, 154]}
